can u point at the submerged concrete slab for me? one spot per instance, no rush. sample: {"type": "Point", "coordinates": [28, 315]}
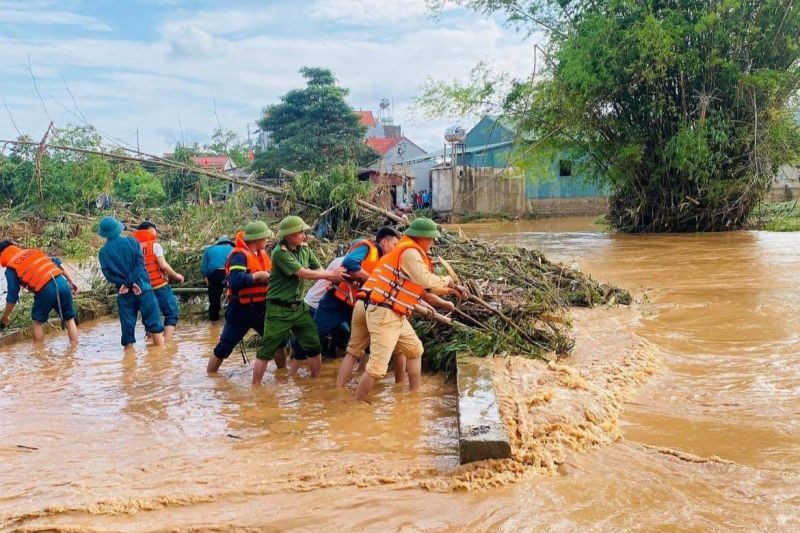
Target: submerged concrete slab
{"type": "Point", "coordinates": [481, 434]}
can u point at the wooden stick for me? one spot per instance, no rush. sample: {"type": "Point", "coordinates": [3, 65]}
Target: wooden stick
{"type": "Point", "coordinates": [401, 221]}
{"type": "Point", "coordinates": [433, 315]}
{"type": "Point", "coordinates": [504, 318]}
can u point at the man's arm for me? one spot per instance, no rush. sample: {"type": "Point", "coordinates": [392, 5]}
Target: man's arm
{"type": "Point", "coordinates": [436, 301]}
{"type": "Point", "coordinates": [12, 296]}
{"type": "Point", "coordinates": [289, 265]}
{"type": "Point", "coordinates": [352, 263]}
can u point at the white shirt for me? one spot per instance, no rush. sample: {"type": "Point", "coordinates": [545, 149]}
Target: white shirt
{"type": "Point", "coordinates": [318, 290]}
{"type": "Point", "coordinates": [158, 251]}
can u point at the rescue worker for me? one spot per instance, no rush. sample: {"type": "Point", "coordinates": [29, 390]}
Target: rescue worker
{"type": "Point", "coordinates": [43, 276]}
{"type": "Point", "coordinates": [247, 270]}
{"type": "Point", "coordinates": [337, 307]}
{"type": "Point", "coordinates": [122, 263]}
{"type": "Point", "coordinates": [400, 280]}
{"type": "Point", "coordinates": [159, 271]}
{"type": "Point", "coordinates": [213, 269]}
{"type": "Point", "coordinates": [287, 314]}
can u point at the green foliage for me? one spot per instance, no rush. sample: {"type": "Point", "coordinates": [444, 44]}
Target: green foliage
{"type": "Point", "coordinates": [56, 181]}
{"type": "Point", "coordinates": [228, 142]}
{"type": "Point", "coordinates": [334, 192]}
{"type": "Point", "coordinates": [139, 187]}
{"type": "Point", "coordinates": [684, 108]}
{"type": "Point", "coordinates": [778, 216]}
{"type": "Point", "coordinates": [312, 129]}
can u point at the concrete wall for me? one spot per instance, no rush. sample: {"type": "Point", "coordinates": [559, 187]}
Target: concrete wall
{"type": "Point", "coordinates": [786, 186]}
{"type": "Point", "coordinates": [493, 191]}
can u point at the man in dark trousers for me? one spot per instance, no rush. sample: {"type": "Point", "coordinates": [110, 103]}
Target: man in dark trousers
{"type": "Point", "coordinates": [213, 269]}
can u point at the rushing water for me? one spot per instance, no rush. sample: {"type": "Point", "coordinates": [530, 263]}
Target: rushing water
{"type": "Point", "coordinates": [92, 438]}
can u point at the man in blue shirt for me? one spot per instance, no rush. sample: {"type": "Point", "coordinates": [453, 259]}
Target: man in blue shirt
{"type": "Point", "coordinates": [51, 284]}
{"type": "Point", "coordinates": [122, 263]}
{"type": "Point", "coordinates": [213, 269]}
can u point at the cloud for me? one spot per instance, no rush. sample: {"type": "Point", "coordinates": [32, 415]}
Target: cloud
{"type": "Point", "coordinates": [368, 12]}
{"type": "Point", "coordinates": [39, 14]}
{"type": "Point", "coordinates": [121, 84]}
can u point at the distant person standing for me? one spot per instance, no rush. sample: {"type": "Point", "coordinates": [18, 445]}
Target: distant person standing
{"type": "Point", "coordinates": [213, 268]}
{"type": "Point", "coordinates": [43, 276]}
{"type": "Point", "coordinates": [122, 263]}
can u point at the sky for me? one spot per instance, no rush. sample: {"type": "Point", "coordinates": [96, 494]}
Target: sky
{"type": "Point", "coordinates": [163, 66]}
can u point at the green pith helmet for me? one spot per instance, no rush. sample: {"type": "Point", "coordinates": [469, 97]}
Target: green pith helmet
{"type": "Point", "coordinates": [423, 227]}
{"type": "Point", "coordinates": [291, 224]}
{"type": "Point", "coordinates": [257, 230]}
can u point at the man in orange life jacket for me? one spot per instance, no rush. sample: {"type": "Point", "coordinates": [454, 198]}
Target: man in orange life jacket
{"type": "Point", "coordinates": [247, 270]}
{"type": "Point", "coordinates": [340, 305]}
{"type": "Point", "coordinates": [52, 288]}
{"type": "Point", "coordinates": [159, 271]}
{"type": "Point", "coordinates": [396, 286]}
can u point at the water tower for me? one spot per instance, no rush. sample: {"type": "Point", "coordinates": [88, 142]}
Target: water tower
{"type": "Point", "coordinates": [385, 117]}
{"type": "Point", "coordinates": [454, 136]}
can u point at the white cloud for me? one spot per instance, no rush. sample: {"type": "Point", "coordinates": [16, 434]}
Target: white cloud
{"type": "Point", "coordinates": [47, 17]}
{"type": "Point", "coordinates": [368, 12]}
{"type": "Point", "coordinates": [134, 84]}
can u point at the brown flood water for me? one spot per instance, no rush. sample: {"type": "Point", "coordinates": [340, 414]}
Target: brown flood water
{"type": "Point", "coordinates": [678, 413]}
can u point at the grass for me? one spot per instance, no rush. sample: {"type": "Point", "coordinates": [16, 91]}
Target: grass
{"type": "Point", "coordinates": [776, 216]}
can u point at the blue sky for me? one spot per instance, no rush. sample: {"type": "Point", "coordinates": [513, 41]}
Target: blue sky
{"type": "Point", "coordinates": [155, 64]}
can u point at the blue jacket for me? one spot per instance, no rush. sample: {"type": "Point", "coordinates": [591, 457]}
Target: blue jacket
{"type": "Point", "coordinates": [352, 261]}
{"type": "Point", "coordinates": [13, 284]}
{"type": "Point", "coordinates": [239, 278]}
{"type": "Point", "coordinates": [214, 258]}
{"type": "Point", "coordinates": [122, 263]}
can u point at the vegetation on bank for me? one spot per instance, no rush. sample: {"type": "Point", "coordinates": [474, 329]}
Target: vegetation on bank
{"type": "Point", "coordinates": [685, 109]}
{"type": "Point", "coordinates": [778, 216]}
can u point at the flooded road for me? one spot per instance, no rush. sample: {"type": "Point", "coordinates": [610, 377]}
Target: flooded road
{"type": "Point", "coordinates": [700, 432]}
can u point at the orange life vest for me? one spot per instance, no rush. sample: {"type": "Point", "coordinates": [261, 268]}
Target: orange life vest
{"type": "Point", "coordinates": [146, 239]}
{"type": "Point", "coordinates": [256, 262]}
{"type": "Point", "coordinates": [346, 291]}
{"type": "Point", "coordinates": [33, 267]}
{"type": "Point", "coordinates": [387, 286]}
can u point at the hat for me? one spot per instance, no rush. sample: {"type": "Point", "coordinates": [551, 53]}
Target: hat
{"type": "Point", "coordinates": [291, 224]}
{"type": "Point", "coordinates": [423, 227]}
{"type": "Point", "coordinates": [110, 227]}
{"type": "Point", "coordinates": [255, 231]}
{"type": "Point", "coordinates": [224, 239]}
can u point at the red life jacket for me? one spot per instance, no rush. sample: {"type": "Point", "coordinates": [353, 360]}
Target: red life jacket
{"type": "Point", "coordinates": [256, 262]}
{"type": "Point", "coordinates": [387, 286]}
{"type": "Point", "coordinates": [146, 239]}
{"type": "Point", "coordinates": [346, 291]}
{"type": "Point", "coordinates": [33, 267]}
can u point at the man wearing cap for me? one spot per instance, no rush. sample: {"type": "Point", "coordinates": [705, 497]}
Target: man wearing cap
{"type": "Point", "coordinates": [248, 270]}
{"type": "Point", "coordinates": [287, 314]}
{"type": "Point", "coordinates": [122, 263]}
{"type": "Point", "coordinates": [160, 273]}
{"type": "Point", "coordinates": [396, 286]}
{"type": "Point", "coordinates": [213, 269]}
{"type": "Point", "coordinates": [45, 277]}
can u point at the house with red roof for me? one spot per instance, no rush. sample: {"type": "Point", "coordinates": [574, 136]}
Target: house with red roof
{"type": "Point", "coordinates": [218, 163]}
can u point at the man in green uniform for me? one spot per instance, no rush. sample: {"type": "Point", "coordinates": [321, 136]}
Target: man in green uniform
{"type": "Point", "coordinates": [287, 314]}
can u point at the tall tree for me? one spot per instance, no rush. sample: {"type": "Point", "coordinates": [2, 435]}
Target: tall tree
{"type": "Point", "coordinates": [683, 107]}
{"type": "Point", "coordinates": [312, 128]}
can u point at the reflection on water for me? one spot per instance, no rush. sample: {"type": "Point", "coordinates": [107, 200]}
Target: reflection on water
{"type": "Point", "coordinates": [147, 441]}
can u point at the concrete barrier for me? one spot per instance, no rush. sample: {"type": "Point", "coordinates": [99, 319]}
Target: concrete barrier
{"type": "Point", "coordinates": [481, 434]}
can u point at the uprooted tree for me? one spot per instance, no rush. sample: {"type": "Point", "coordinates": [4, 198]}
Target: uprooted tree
{"type": "Point", "coordinates": [684, 108]}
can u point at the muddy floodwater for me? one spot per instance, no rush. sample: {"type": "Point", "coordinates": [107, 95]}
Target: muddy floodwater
{"type": "Point", "coordinates": [681, 412]}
